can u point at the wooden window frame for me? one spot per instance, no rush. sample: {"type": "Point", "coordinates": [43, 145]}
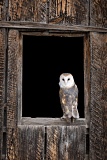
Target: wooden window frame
{"type": "Point", "coordinates": [85, 35]}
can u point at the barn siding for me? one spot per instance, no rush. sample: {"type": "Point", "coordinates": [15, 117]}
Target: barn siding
{"type": "Point", "coordinates": [62, 13]}
{"type": "Point", "coordinates": [12, 92]}
{"type": "Point", "coordinates": [54, 11]}
{"type": "Point", "coordinates": [31, 139]}
{"type": "Point", "coordinates": [98, 121]}
{"type": "Point", "coordinates": [51, 142]}
{"type": "Point", "coordinates": [2, 85]}
{"type": "Point", "coordinates": [70, 12]}
{"type": "Point", "coordinates": [3, 10]}
{"type": "Point", "coordinates": [98, 13]}
{"type": "Point", "coordinates": [27, 10]}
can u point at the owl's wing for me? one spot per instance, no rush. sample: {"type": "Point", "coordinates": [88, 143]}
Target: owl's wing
{"type": "Point", "coordinates": [76, 91]}
{"type": "Point", "coordinates": [75, 112]}
{"type": "Point", "coordinates": [63, 102]}
{"type": "Point", "coordinates": [61, 98]}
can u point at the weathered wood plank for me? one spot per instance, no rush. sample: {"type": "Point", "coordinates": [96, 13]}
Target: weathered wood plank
{"type": "Point", "coordinates": [12, 92]}
{"type": "Point", "coordinates": [50, 121]}
{"type": "Point", "coordinates": [2, 85]}
{"type": "Point", "coordinates": [27, 10]}
{"type": "Point", "coordinates": [76, 138]}
{"type": "Point", "coordinates": [31, 142]}
{"type": "Point", "coordinates": [51, 27]}
{"type": "Point", "coordinates": [69, 12]}
{"type": "Point", "coordinates": [63, 145]}
{"type": "Point", "coordinates": [59, 12]}
{"type": "Point", "coordinates": [98, 122]}
{"type": "Point", "coordinates": [52, 147]}
{"type": "Point", "coordinates": [98, 13]}
{"type": "Point", "coordinates": [2, 10]}
{"type": "Point", "coordinates": [66, 142]}
{"type": "Point", "coordinates": [87, 63]}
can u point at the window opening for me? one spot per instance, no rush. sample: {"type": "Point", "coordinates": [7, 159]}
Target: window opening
{"type": "Point", "coordinates": [44, 59]}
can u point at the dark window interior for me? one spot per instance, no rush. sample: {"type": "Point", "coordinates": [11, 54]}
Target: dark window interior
{"type": "Point", "coordinates": [44, 59]}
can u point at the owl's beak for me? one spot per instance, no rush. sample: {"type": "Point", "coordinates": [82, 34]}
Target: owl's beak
{"type": "Point", "coordinates": [65, 82]}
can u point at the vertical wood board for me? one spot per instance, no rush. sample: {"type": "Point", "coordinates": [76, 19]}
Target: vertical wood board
{"type": "Point", "coordinates": [31, 142]}
{"type": "Point", "coordinates": [12, 92]}
{"type": "Point", "coordinates": [69, 12]}
{"type": "Point", "coordinates": [2, 85]}
{"type": "Point", "coordinates": [98, 121]}
{"type": "Point", "coordinates": [87, 68]}
{"type": "Point", "coordinates": [2, 10]}
{"type": "Point", "coordinates": [65, 142]}
{"type": "Point", "coordinates": [27, 10]}
{"type": "Point", "coordinates": [98, 13]}
{"type": "Point", "coordinates": [76, 138]}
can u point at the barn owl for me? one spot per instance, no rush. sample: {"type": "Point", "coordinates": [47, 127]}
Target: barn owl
{"type": "Point", "coordinates": [68, 94]}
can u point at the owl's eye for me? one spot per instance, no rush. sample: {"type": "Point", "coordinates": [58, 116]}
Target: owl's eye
{"type": "Point", "coordinates": [63, 79]}
{"type": "Point", "coordinates": [68, 79]}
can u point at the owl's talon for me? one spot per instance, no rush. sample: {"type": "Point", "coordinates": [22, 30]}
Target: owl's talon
{"type": "Point", "coordinates": [63, 118]}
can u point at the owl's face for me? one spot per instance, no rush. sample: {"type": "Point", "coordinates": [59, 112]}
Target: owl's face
{"type": "Point", "coordinates": [66, 80]}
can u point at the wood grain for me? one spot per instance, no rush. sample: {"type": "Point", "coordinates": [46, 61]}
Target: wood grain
{"type": "Point", "coordinates": [34, 26]}
{"type": "Point", "coordinates": [69, 12]}
{"type": "Point", "coordinates": [2, 85]}
{"type": "Point", "coordinates": [51, 121]}
{"type": "Point", "coordinates": [2, 10]}
{"type": "Point", "coordinates": [87, 69]}
{"type": "Point", "coordinates": [31, 142]}
{"type": "Point", "coordinates": [98, 121]}
{"type": "Point", "coordinates": [76, 139]}
{"type": "Point", "coordinates": [27, 10]}
{"type": "Point", "coordinates": [12, 92]}
{"type": "Point", "coordinates": [98, 13]}
{"type": "Point", "coordinates": [59, 12]}
{"type": "Point", "coordinates": [65, 143]}
{"type": "Point", "coordinates": [53, 139]}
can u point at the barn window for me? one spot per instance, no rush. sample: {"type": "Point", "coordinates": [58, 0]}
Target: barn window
{"type": "Point", "coordinates": [44, 59]}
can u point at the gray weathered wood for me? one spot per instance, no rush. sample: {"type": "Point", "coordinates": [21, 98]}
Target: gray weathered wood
{"type": "Point", "coordinates": [57, 139]}
{"type": "Point", "coordinates": [51, 27]}
{"type": "Point", "coordinates": [98, 121]}
{"type": "Point", "coordinates": [65, 142]}
{"type": "Point", "coordinates": [98, 13]}
{"type": "Point", "coordinates": [2, 85]}
{"type": "Point", "coordinates": [52, 140]}
{"type": "Point", "coordinates": [76, 139]}
{"type": "Point", "coordinates": [50, 121]}
{"type": "Point", "coordinates": [31, 142]}
{"type": "Point", "coordinates": [53, 11]}
{"type": "Point", "coordinates": [27, 10]}
{"type": "Point", "coordinates": [12, 92]}
{"type": "Point", "coordinates": [87, 69]}
{"type": "Point", "coordinates": [62, 146]}
{"type": "Point", "coordinates": [2, 10]}
{"type": "Point", "coordinates": [69, 12]}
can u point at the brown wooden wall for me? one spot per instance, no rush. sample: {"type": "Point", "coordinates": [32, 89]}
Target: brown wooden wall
{"type": "Point", "coordinates": [57, 13]}
{"type": "Point", "coordinates": [98, 106]}
{"type": "Point", "coordinates": [69, 12]}
{"type": "Point", "coordinates": [37, 142]}
{"type": "Point", "coordinates": [2, 10]}
{"type": "Point", "coordinates": [12, 92]}
{"type": "Point", "coordinates": [53, 11]}
{"type": "Point", "coordinates": [2, 85]}
{"type": "Point", "coordinates": [98, 13]}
